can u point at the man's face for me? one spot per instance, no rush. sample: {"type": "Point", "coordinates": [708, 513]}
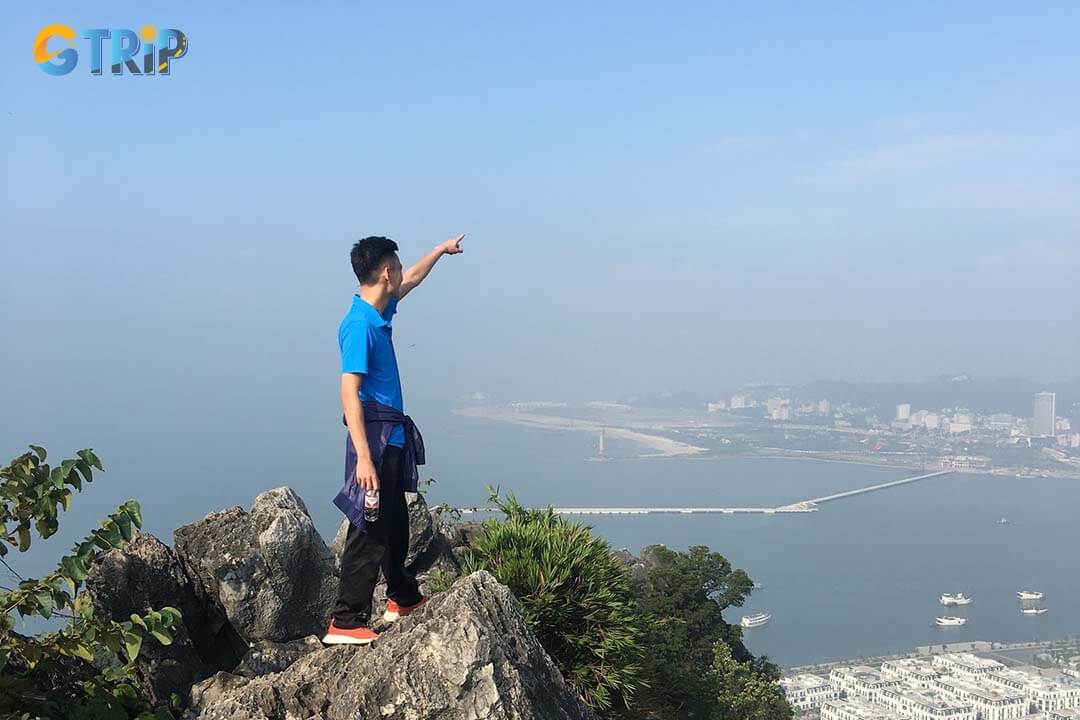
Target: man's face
{"type": "Point", "coordinates": [396, 273]}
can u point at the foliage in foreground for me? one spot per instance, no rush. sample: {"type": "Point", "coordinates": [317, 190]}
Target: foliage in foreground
{"type": "Point", "coordinates": [660, 650]}
{"type": "Point", "coordinates": [86, 669]}
{"type": "Point", "coordinates": [696, 664]}
{"type": "Point", "coordinates": [575, 596]}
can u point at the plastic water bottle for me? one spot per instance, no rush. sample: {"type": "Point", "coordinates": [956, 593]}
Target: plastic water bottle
{"type": "Point", "coordinates": [371, 505]}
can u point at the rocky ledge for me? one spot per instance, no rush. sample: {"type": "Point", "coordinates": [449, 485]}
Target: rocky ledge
{"type": "Point", "coordinates": [255, 588]}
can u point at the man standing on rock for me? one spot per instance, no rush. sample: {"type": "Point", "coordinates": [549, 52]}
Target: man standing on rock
{"type": "Point", "coordinates": [383, 446]}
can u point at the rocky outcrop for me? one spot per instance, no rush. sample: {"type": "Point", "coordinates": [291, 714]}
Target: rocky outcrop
{"type": "Point", "coordinates": [266, 656]}
{"type": "Point", "coordinates": [144, 576]}
{"type": "Point", "coordinates": [466, 654]}
{"type": "Point", "coordinates": [268, 568]}
{"type": "Point", "coordinates": [255, 589]}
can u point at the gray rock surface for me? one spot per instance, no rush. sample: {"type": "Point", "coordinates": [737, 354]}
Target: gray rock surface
{"type": "Point", "coordinates": [266, 656]}
{"type": "Point", "coordinates": [146, 575]}
{"type": "Point", "coordinates": [268, 568]}
{"type": "Point", "coordinates": [466, 655]}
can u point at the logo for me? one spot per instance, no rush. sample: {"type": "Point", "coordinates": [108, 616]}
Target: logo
{"type": "Point", "coordinates": [147, 52]}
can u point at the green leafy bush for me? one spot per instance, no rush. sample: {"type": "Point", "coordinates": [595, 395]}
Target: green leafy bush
{"type": "Point", "coordinates": [685, 594]}
{"type": "Point", "coordinates": [575, 596]}
{"type": "Point", "coordinates": [743, 691]}
{"type": "Point", "coordinates": [85, 669]}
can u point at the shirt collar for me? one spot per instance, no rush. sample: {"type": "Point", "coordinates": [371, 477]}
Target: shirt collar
{"type": "Point", "coordinates": [373, 314]}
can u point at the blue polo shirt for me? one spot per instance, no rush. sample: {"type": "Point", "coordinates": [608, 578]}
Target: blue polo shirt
{"type": "Point", "coordinates": [367, 347]}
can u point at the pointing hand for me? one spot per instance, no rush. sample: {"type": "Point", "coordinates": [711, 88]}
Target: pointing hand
{"type": "Point", "coordinates": [453, 245]}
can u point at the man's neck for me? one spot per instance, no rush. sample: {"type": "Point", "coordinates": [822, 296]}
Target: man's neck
{"type": "Point", "coordinates": [375, 296]}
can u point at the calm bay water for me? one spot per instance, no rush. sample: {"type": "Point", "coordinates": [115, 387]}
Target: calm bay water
{"type": "Point", "coordinates": [860, 577]}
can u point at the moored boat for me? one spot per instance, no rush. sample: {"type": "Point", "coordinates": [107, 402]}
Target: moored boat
{"type": "Point", "coordinates": [1033, 611]}
{"type": "Point", "coordinates": [957, 599]}
{"type": "Point", "coordinates": [951, 621]}
{"type": "Point", "coordinates": [1029, 595]}
{"type": "Point", "coordinates": [755, 620]}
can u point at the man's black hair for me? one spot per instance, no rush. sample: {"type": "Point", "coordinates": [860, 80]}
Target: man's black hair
{"type": "Point", "coordinates": [368, 256]}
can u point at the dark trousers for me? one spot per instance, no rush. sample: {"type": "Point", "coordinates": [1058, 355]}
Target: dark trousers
{"type": "Point", "coordinates": [383, 546]}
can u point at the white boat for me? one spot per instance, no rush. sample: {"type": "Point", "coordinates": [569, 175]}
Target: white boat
{"type": "Point", "coordinates": [951, 621]}
{"type": "Point", "coordinates": [1033, 611]}
{"type": "Point", "coordinates": [755, 620]}
{"type": "Point", "coordinates": [1029, 595]}
{"type": "Point", "coordinates": [1003, 521]}
{"type": "Point", "coordinates": [957, 599]}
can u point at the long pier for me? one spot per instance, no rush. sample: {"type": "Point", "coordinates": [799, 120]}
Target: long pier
{"type": "Point", "coordinates": [803, 506]}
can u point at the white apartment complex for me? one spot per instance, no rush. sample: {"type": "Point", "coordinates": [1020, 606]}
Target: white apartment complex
{"type": "Point", "coordinates": [860, 681]}
{"type": "Point", "coordinates": [807, 691]}
{"type": "Point", "coordinates": [991, 701]}
{"type": "Point", "coordinates": [966, 665]}
{"type": "Point", "coordinates": [950, 686]}
{"type": "Point", "coordinates": [855, 709]}
{"type": "Point", "coordinates": [1044, 692]}
{"type": "Point", "coordinates": [917, 703]}
{"type": "Point", "coordinates": [913, 671]}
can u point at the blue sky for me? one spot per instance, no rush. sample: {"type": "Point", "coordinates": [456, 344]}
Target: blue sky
{"type": "Point", "coordinates": [656, 198]}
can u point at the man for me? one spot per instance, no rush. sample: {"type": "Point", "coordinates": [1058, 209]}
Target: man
{"type": "Point", "coordinates": [383, 446]}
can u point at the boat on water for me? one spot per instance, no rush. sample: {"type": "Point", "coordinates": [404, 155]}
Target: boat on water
{"type": "Point", "coordinates": [957, 599]}
{"type": "Point", "coordinates": [951, 621]}
{"type": "Point", "coordinates": [755, 620]}
{"type": "Point", "coordinates": [1033, 611]}
{"type": "Point", "coordinates": [1003, 521]}
{"type": "Point", "coordinates": [1029, 595]}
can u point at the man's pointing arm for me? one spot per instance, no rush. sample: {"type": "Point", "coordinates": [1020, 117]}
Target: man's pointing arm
{"type": "Point", "coordinates": [416, 274]}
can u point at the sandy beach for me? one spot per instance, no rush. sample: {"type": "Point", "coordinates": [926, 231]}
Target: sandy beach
{"type": "Point", "coordinates": [664, 447]}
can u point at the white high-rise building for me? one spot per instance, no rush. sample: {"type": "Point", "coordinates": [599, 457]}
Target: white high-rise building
{"type": "Point", "coordinates": [1045, 412]}
{"type": "Point", "coordinates": [903, 412]}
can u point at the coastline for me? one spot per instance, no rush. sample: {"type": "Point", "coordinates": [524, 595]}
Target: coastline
{"type": "Point", "coordinates": [664, 447]}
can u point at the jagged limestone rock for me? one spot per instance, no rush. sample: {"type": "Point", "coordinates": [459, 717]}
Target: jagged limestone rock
{"type": "Point", "coordinates": [268, 568]}
{"type": "Point", "coordinates": [266, 656]}
{"type": "Point", "coordinates": [466, 655]}
{"type": "Point", "coordinates": [146, 575]}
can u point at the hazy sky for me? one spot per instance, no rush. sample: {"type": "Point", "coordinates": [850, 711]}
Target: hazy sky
{"type": "Point", "coordinates": [657, 197]}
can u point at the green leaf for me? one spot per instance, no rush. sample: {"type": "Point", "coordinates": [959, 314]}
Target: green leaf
{"type": "Point", "coordinates": [132, 509]}
{"type": "Point", "coordinates": [138, 620]}
{"type": "Point", "coordinates": [132, 643]}
{"type": "Point", "coordinates": [65, 498]}
{"type": "Point", "coordinates": [89, 456]}
{"type": "Point", "coordinates": [124, 523]}
{"type": "Point", "coordinates": [39, 451]}
{"type": "Point", "coordinates": [24, 538]}
{"type": "Point", "coordinates": [83, 651]}
{"type": "Point", "coordinates": [74, 568]}
{"type": "Point", "coordinates": [84, 606]}
{"type": "Point", "coordinates": [170, 615]}
{"type": "Point", "coordinates": [162, 637]}
{"type": "Point", "coordinates": [45, 603]}
{"type": "Point", "coordinates": [83, 467]}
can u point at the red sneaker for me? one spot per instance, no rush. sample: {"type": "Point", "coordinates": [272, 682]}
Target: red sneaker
{"type": "Point", "coordinates": [348, 636]}
{"type": "Point", "coordinates": [394, 611]}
